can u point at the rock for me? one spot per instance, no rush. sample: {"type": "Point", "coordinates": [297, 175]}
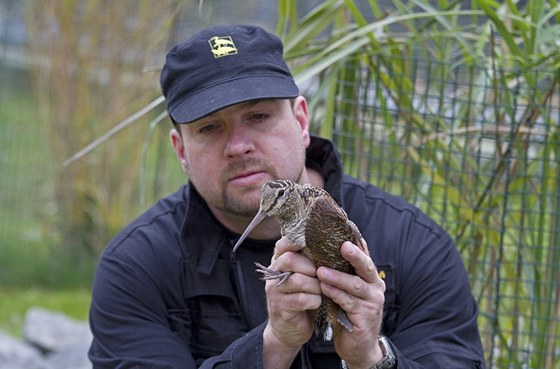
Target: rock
{"type": "Point", "coordinates": [15, 354]}
{"type": "Point", "coordinates": [70, 357]}
{"type": "Point", "coordinates": [53, 332]}
{"type": "Point", "coordinates": [63, 340]}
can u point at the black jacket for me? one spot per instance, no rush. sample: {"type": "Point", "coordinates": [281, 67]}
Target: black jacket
{"type": "Point", "coordinates": [169, 293]}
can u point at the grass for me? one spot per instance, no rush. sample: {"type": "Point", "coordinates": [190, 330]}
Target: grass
{"type": "Point", "coordinates": [34, 271]}
{"type": "Point", "coordinates": [32, 264]}
{"type": "Point", "coordinates": [16, 301]}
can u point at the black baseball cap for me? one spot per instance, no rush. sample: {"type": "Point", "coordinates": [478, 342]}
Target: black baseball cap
{"type": "Point", "coordinates": [221, 66]}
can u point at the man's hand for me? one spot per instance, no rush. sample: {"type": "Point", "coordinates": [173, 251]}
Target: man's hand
{"type": "Point", "coordinates": [290, 323]}
{"type": "Point", "coordinates": [361, 296]}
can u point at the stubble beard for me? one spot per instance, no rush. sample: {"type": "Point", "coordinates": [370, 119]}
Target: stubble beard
{"type": "Point", "coordinates": [244, 203]}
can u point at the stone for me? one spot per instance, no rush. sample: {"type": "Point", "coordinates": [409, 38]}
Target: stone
{"type": "Point", "coordinates": [51, 341]}
{"type": "Point", "coordinates": [52, 332]}
{"type": "Point", "coordinates": [70, 357]}
{"type": "Point", "coordinates": [16, 354]}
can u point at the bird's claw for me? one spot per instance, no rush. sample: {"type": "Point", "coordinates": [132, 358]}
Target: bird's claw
{"type": "Point", "coordinates": [270, 274]}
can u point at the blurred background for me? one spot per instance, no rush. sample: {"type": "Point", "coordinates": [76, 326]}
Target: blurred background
{"type": "Point", "coordinates": [452, 105]}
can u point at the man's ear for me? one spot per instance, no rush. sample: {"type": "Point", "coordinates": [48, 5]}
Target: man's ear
{"type": "Point", "coordinates": [179, 148]}
{"type": "Point", "coordinates": [300, 112]}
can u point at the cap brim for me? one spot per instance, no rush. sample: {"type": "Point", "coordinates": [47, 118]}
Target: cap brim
{"type": "Point", "coordinates": [233, 92]}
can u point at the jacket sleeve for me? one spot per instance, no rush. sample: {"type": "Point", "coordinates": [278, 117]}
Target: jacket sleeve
{"type": "Point", "coordinates": [246, 352]}
{"type": "Point", "coordinates": [132, 326]}
{"type": "Point", "coordinates": [430, 315]}
{"type": "Point", "coordinates": [128, 319]}
{"type": "Point", "coordinates": [436, 322]}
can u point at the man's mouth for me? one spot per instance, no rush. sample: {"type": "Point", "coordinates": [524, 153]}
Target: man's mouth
{"type": "Point", "coordinates": [248, 178]}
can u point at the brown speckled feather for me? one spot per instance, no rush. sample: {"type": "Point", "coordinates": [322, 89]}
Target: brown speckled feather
{"type": "Point", "coordinates": [327, 227]}
{"type": "Point", "coordinates": [310, 218]}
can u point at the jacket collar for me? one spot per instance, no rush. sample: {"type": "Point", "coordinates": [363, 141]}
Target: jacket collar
{"type": "Point", "coordinates": [323, 157]}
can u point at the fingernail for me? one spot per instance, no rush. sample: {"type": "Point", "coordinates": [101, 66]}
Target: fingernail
{"type": "Point", "coordinates": [353, 249]}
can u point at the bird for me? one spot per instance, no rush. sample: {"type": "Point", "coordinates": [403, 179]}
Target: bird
{"type": "Point", "coordinates": [311, 219]}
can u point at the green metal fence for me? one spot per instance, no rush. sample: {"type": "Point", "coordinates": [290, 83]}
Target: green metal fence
{"type": "Point", "coordinates": [476, 148]}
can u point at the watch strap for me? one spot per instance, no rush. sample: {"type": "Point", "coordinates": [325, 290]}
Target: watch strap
{"type": "Point", "coordinates": [389, 360]}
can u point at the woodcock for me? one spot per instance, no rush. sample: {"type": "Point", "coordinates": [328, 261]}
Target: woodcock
{"type": "Point", "coordinates": [310, 218]}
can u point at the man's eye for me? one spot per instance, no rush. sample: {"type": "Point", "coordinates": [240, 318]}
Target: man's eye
{"type": "Point", "coordinates": [259, 117]}
{"type": "Point", "coordinates": [207, 128]}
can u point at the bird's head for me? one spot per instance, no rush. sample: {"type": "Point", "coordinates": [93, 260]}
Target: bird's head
{"type": "Point", "coordinates": [278, 199]}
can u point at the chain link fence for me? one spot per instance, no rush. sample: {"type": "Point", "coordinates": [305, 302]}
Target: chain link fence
{"type": "Point", "coordinates": [477, 149]}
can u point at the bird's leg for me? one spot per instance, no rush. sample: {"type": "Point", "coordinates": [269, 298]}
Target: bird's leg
{"type": "Point", "coordinates": [269, 274]}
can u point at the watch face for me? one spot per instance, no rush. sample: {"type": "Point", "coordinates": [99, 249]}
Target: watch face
{"type": "Point", "coordinates": [385, 347]}
{"type": "Point", "coordinates": [389, 361]}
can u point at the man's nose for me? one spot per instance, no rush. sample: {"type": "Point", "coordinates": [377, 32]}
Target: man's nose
{"type": "Point", "coordinates": [239, 141]}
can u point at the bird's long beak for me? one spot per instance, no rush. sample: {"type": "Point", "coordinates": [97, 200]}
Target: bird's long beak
{"type": "Point", "coordinates": [256, 220]}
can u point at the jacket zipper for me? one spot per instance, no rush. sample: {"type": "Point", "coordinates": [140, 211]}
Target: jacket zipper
{"type": "Point", "coordinates": [242, 291]}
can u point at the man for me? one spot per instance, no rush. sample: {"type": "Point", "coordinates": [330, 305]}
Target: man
{"type": "Point", "coordinates": [169, 292]}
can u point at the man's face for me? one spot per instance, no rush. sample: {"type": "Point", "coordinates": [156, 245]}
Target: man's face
{"type": "Point", "coordinates": [230, 154]}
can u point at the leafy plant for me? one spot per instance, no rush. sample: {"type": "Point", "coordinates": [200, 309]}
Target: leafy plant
{"type": "Point", "coordinates": [454, 107]}
{"type": "Point", "coordinates": [87, 77]}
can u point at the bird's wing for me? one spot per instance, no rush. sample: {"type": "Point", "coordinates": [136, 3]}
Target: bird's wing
{"type": "Point", "coordinates": [360, 242]}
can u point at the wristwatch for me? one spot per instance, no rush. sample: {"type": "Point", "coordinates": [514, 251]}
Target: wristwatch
{"type": "Point", "coordinates": [389, 360]}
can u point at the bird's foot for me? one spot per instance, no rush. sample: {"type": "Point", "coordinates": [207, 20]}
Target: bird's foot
{"type": "Point", "coordinates": [269, 274]}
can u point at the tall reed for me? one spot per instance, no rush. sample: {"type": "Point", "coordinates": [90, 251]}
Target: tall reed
{"type": "Point", "coordinates": [456, 108]}
{"type": "Point", "coordinates": [87, 62]}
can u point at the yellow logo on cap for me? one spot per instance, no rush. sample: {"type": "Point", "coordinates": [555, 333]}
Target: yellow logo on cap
{"type": "Point", "coordinates": [222, 46]}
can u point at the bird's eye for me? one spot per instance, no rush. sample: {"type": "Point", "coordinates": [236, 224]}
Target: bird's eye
{"type": "Point", "coordinates": [281, 193]}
